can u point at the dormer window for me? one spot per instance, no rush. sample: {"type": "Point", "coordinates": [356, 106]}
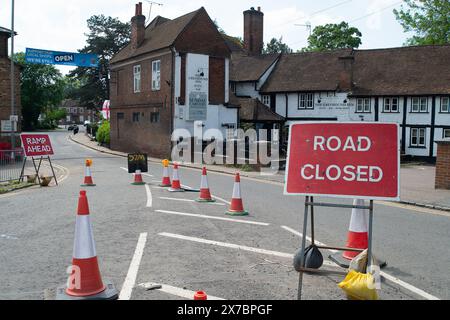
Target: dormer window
{"type": "Point", "coordinates": [266, 100]}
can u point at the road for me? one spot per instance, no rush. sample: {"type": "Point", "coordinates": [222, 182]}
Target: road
{"type": "Point", "coordinates": [145, 235]}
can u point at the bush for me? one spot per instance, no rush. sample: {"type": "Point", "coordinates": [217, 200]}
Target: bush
{"type": "Point", "coordinates": [103, 133]}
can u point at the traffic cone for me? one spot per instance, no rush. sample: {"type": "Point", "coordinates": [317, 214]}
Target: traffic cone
{"type": "Point", "coordinates": [205, 194]}
{"type": "Point", "coordinates": [237, 207]}
{"type": "Point", "coordinates": [200, 295]}
{"type": "Point", "coordinates": [88, 182]}
{"type": "Point", "coordinates": [358, 236]}
{"type": "Point", "coordinates": [176, 184]}
{"type": "Point", "coordinates": [166, 179]}
{"type": "Point", "coordinates": [85, 281]}
{"type": "Point", "coordinates": [138, 178]}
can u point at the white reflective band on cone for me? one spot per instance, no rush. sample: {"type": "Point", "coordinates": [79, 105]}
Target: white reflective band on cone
{"type": "Point", "coordinates": [175, 174]}
{"type": "Point", "coordinates": [165, 172]}
{"type": "Point", "coordinates": [84, 246]}
{"type": "Point", "coordinates": [358, 221]}
{"type": "Point", "coordinates": [88, 172]}
{"type": "Point", "coordinates": [236, 191]}
{"type": "Point", "coordinates": [204, 183]}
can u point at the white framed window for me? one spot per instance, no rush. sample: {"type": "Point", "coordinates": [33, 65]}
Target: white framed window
{"type": "Point", "coordinates": [306, 101]}
{"type": "Point", "coordinates": [445, 104]}
{"type": "Point", "coordinates": [363, 105]}
{"type": "Point", "coordinates": [266, 100]}
{"type": "Point", "coordinates": [418, 137]}
{"type": "Point", "coordinates": [156, 75]}
{"type": "Point", "coordinates": [446, 133]}
{"type": "Point", "coordinates": [390, 105]}
{"type": "Point", "coordinates": [137, 78]}
{"type": "Point", "coordinates": [154, 117]}
{"type": "Point", "coordinates": [419, 104]}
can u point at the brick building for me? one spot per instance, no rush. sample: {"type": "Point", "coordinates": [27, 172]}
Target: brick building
{"type": "Point", "coordinates": [173, 74]}
{"type": "Point", "coordinates": [5, 88]}
{"type": "Point", "coordinates": [76, 114]}
{"type": "Point", "coordinates": [408, 85]}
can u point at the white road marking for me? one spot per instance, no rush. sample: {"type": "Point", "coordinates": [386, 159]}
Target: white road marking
{"type": "Point", "coordinates": [238, 247]}
{"type": "Point", "coordinates": [190, 200]}
{"type": "Point", "coordinates": [212, 217]}
{"type": "Point", "coordinates": [307, 238]}
{"type": "Point", "coordinates": [130, 280]}
{"type": "Point", "coordinates": [8, 237]}
{"type": "Point", "coordinates": [149, 196]}
{"type": "Point", "coordinates": [393, 279]}
{"type": "Point", "coordinates": [220, 199]}
{"type": "Point", "coordinates": [183, 293]}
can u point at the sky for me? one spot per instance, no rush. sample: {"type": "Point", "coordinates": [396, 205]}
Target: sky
{"type": "Point", "coordinates": [61, 24]}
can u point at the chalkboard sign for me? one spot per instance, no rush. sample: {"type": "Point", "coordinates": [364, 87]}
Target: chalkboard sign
{"type": "Point", "coordinates": [137, 161]}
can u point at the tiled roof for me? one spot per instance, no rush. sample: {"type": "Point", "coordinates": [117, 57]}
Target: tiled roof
{"type": "Point", "coordinates": [250, 68]}
{"type": "Point", "coordinates": [253, 110]}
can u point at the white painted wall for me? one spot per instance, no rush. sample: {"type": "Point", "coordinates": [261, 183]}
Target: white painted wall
{"type": "Point", "coordinates": [246, 89]}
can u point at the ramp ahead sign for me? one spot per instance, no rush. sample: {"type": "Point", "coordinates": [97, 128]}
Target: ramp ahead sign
{"type": "Point", "coordinates": [351, 160]}
{"type": "Point", "coordinates": [36, 145]}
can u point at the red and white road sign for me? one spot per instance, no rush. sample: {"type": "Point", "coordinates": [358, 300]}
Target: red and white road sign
{"type": "Point", "coordinates": [348, 160]}
{"type": "Point", "coordinates": [36, 145]}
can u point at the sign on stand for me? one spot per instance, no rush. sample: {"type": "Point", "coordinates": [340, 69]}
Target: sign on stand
{"type": "Point", "coordinates": [356, 160]}
{"type": "Point", "coordinates": [37, 145]}
{"type": "Point", "coordinates": [359, 160]}
{"type": "Point", "coordinates": [137, 161]}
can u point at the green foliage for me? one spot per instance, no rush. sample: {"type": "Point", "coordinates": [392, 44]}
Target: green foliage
{"type": "Point", "coordinates": [52, 116]}
{"type": "Point", "coordinates": [277, 46]}
{"type": "Point", "coordinates": [428, 19]}
{"type": "Point", "coordinates": [41, 86]}
{"type": "Point", "coordinates": [103, 131]}
{"type": "Point", "coordinates": [106, 37]}
{"type": "Point", "coordinates": [333, 36]}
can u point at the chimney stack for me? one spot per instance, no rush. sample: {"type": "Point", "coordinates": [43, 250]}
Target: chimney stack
{"type": "Point", "coordinates": [254, 31]}
{"type": "Point", "coordinates": [137, 27]}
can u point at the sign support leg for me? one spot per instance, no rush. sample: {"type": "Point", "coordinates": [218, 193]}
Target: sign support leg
{"type": "Point", "coordinates": [36, 169]}
{"type": "Point", "coordinates": [302, 252]}
{"type": "Point", "coordinates": [312, 221]}
{"type": "Point", "coordinates": [369, 245]}
{"type": "Point", "coordinates": [53, 171]}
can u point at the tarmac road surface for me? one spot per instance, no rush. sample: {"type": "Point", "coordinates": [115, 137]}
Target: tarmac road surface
{"type": "Point", "coordinates": [146, 235]}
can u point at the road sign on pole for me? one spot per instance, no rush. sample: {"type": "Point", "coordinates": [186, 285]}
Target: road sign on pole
{"type": "Point", "coordinates": [347, 160]}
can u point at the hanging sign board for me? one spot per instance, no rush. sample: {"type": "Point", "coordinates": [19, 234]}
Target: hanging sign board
{"type": "Point", "coordinates": [39, 56]}
{"type": "Point", "coordinates": [36, 145]}
{"type": "Point", "coordinates": [347, 160]}
{"type": "Point", "coordinates": [137, 161]}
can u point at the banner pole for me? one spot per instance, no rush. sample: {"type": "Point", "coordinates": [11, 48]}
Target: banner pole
{"type": "Point", "coordinates": [302, 252]}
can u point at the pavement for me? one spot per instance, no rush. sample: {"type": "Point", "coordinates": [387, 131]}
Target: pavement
{"type": "Point", "coordinates": [416, 180]}
{"type": "Point", "coordinates": [146, 235]}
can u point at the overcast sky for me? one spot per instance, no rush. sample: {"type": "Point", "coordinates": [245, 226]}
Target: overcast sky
{"type": "Point", "coordinates": [60, 24]}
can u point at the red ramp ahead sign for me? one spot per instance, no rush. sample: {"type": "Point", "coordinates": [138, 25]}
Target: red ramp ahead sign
{"type": "Point", "coordinates": [36, 145]}
{"type": "Point", "coordinates": [348, 160]}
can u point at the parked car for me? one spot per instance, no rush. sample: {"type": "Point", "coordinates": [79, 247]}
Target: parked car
{"type": "Point", "coordinates": [72, 127]}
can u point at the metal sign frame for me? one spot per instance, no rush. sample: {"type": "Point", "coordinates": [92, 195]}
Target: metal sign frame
{"type": "Point", "coordinates": [37, 168]}
{"type": "Point", "coordinates": [309, 208]}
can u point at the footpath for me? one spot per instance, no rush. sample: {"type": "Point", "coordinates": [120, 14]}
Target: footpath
{"type": "Point", "coordinates": [416, 180]}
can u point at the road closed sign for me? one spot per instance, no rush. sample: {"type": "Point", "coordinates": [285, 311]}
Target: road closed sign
{"type": "Point", "coordinates": [347, 160]}
{"type": "Point", "coordinates": [36, 145]}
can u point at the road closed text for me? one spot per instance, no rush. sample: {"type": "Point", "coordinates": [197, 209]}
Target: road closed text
{"type": "Point", "coordinates": [343, 160]}
{"type": "Point", "coordinates": [334, 172]}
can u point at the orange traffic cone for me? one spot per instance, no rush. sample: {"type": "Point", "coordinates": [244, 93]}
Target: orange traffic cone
{"type": "Point", "coordinates": [200, 295]}
{"type": "Point", "coordinates": [88, 182]}
{"type": "Point", "coordinates": [138, 178]}
{"type": "Point", "coordinates": [176, 184]}
{"type": "Point", "coordinates": [166, 179]}
{"type": "Point", "coordinates": [237, 207]}
{"type": "Point", "coordinates": [85, 281]}
{"type": "Point", "coordinates": [358, 237]}
{"type": "Point", "coordinates": [205, 194]}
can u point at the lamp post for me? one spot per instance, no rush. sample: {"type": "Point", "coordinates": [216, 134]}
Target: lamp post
{"type": "Point", "coordinates": [12, 79]}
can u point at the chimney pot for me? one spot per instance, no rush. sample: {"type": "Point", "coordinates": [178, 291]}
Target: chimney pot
{"type": "Point", "coordinates": [259, 9]}
{"type": "Point", "coordinates": [137, 27]}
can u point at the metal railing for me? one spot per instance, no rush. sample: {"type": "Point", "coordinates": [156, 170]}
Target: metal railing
{"type": "Point", "coordinates": [11, 164]}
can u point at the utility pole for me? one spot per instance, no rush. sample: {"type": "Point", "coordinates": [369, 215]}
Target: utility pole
{"type": "Point", "coordinates": [12, 78]}
{"type": "Point", "coordinates": [307, 25]}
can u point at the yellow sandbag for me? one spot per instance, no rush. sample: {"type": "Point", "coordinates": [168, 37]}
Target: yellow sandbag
{"type": "Point", "coordinates": [359, 286]}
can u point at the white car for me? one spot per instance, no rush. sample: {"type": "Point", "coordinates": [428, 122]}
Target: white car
{"type": "Point", "coordinates": [86, 123]}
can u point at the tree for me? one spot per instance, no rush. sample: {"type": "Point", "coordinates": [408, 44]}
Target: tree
{"type": "Point", "coordinates": [277, 46]}
{"type": "Point", "coordinates": [428, 19]}
{"type": "Point", "coordinates": [106, 37]}
{"type": "Point", "coordinates": [41, 86]}
{"type": "Point", "coordinates": [333, 36]}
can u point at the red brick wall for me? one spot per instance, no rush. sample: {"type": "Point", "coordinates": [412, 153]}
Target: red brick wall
{"type": "Point", "coordinates": [253, 31]}
{"type": "Point", "coordinates": [216, 80]}
{"type": "Point", "coordinates": [5, 90]}
{"type": "Point", "coordinates": [142, 136]}
{"type": "Point", "coordinates": [443, 166]}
